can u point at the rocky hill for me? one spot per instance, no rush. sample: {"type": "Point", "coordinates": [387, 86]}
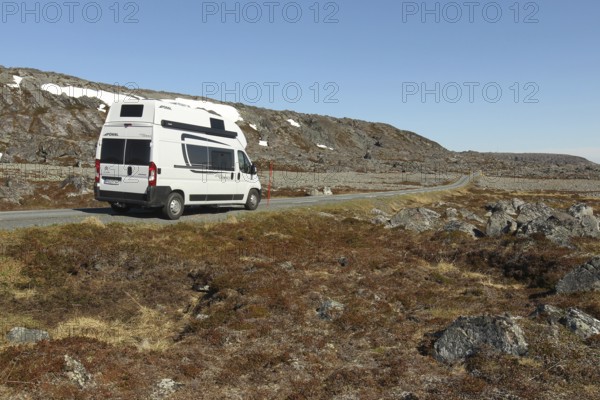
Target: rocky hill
{"type": "Point", "coordinates": [44, 121]}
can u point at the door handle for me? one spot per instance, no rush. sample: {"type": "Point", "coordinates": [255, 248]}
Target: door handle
{"type": "Point", "coordinates": [232, 176]}
{"type": "Point", "coordinates": [239, 176]}
{"type": "Point", "coordinates": [129, 171]}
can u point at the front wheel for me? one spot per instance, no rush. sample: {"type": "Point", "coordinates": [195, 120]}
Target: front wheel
{"type": "Point", "coordinates": [253, 200]}
{"type": "Point", "coordinates": [173, 209]}
{"type": "Point", "coordinates": [120, 208]}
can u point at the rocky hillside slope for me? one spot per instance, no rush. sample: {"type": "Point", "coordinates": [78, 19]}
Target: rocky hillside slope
{"type": "Point", "coordinates": [41, 124]}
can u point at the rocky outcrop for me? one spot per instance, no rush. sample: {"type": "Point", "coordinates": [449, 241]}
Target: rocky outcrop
{"type": "Point", "coordinates": [416, 219]}
{"type": "Point", "coordinates": [580, 323]}
{"type": "Point", "coordinates": [467, 335]}
{"type": "Point", "coordinates": [330, 310]}
{"type": "Point", "coordinates": [538, 218]}
{"type": "Point", "coordinates": [77, 373]}
{"type": "Point", "coordinates": [584, 278]}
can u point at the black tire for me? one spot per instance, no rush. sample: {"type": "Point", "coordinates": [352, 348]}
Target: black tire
{"type": "Point", "coordinates": [253, 200]}
{"type": "Point", "coordinates": [173, 208]}
{"type": "Point", "coordinates": [120, 208]}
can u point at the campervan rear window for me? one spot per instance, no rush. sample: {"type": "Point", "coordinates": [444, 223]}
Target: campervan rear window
{"type": "Point", "coordinates": [132, 110]}
{"type": "Point", "coordinates": [112, 151]}
{"type": "Point", "coordinates": [137, 152]}
{"type": "Point", "coordinates": [128, 152]}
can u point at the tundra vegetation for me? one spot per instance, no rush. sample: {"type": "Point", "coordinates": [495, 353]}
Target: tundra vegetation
{"type": "Point", "coordinates": [317, 303]}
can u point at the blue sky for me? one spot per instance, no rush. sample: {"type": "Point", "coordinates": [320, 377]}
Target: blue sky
{"type": "Point", "coordinates": [514, 76]}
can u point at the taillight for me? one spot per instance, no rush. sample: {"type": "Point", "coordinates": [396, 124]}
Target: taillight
{"type": "Point", "coordinates": [97, 171]}
{"type": "Point", "coordinates": [152, 178]}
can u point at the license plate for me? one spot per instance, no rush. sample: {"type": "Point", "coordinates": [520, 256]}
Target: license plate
{"type": "Point", "coordinates": [111, 182]}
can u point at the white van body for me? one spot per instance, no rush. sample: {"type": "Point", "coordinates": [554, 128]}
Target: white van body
{"type": "Point", "coordinates": [153, 153]}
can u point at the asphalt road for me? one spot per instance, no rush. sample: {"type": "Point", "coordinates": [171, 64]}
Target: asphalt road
{"type": "Point", "coordinates": [23, 219]}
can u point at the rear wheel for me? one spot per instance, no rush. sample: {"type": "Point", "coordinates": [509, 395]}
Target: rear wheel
{"type": "Point", "coordinates": [253, 200]}
{"type": "Point", "coordinates": [173, 209]}
{"type": "Point", "coordinates": [120, 208]}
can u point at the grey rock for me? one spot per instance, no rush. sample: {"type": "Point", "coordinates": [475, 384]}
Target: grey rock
{"type": "Point", "coordinates": [24, 335]}
{"type": "Point", "coordinates": [327, 191]}
{"type": "Point", "coordinates": [330, 310]}
{"type": "Point", "coordinates": [314, 192]}
{"type": "Point", "coordinates": [584, 278]}
{"type": "Point", "coordinates": [500, 223]}
{"type": "Point", "coordinates": [550, 313]}
{"type": "Point", "coordinates": [164, 389]}
{"type": "Point", "coordinates": [556, 228]}
{"type": "Point", "coordinates": [589, 226]}
{"type": "Point", "coordinates": [461, 226]}
{"type": "Point", "coordinates": [380, 220]}
{"type": "Point", "coordinates": [416, 219]}
{"type": "Point", "coordinates": [505, 206]}
{"type": "Point", "coordinates": [377, 211]}
{"type": "Point", "coordinates": [582, 324]}
{"type": "Point", "coordinates": [531, 211]}
{"type": "Point", "coordinates": [451, 213]}
{"type": "Point", "coordinates": [471, 215]}
{"type": "Point", "coordinates": [467, 335]}
{"type": "Point", "coordinates": [77, 373]}
{"type": "Point", "coordinates": [580, 210]}
{"type": "Point", "coordinates": [286, 265]}
{"type": "Point", "coordinates": [343, 261]}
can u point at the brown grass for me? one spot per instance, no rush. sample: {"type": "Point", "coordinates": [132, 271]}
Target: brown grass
{"type": "Point", "coordinates": [230, 309]}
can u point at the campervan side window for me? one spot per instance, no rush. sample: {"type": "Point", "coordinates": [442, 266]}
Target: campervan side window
{"type": "Point", "coordinates": [112, 151]}
{"type": "Point", "coordinates": [198, 155]}
{"type": "Point", "coordinates": [137, 152]}
{"type": "Point", "coordinates": [221, 160]}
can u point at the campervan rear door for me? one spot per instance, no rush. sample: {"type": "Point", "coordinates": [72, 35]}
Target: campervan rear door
{"type": "Point", "coordinates": [125, 160]}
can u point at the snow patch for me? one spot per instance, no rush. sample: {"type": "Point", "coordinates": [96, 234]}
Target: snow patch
{"type": "Point", "coordinates": [110, 98]}
{"type": "Point", "coordinates": [17, 83]}
{"type": "Point", "coordinates": [102, 108]}
{"type": "Point", "coordinates": [253, 127]}
{"type": "Point", "coordinates": [263, 143]}
{"type": "Point", "coordinates": [1, 156]}
{"type": "Point", "coordinates": [293, 123]}
{"type": "Point", "coordinates": [322, 146]}
{"type": "Point", "coordinates": [223, 110]}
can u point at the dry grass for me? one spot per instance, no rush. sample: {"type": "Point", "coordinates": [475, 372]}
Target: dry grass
{"type": "Point", "coordinates": [230, 309]}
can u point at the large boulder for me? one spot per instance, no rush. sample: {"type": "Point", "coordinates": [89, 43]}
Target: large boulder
{"type": "Point", "coordinates": [416, 219]}
{"type": "Point", "coordinates": [467, 335]}
{"type": "Point", "coordinates": [584, 278]}
{"type": "Point", "coordinates": [500, 223]}
{"type": "Point", "coordinates": [582, 324]}
{"type": "Point", "coordinates": [531, 211]}
{"type": "Point", "coordinates": [557, 227]}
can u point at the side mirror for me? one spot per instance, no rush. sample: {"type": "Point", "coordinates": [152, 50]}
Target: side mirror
{"type": "Point", "coordinates": [253, 170]}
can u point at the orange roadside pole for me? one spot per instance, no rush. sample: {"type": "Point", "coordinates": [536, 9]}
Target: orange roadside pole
{"type": "Point", "coordinates": [270, 182]}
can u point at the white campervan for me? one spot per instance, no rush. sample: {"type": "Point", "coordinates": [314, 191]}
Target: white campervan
{"type": "Point", "coordinates": [161, 155]}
